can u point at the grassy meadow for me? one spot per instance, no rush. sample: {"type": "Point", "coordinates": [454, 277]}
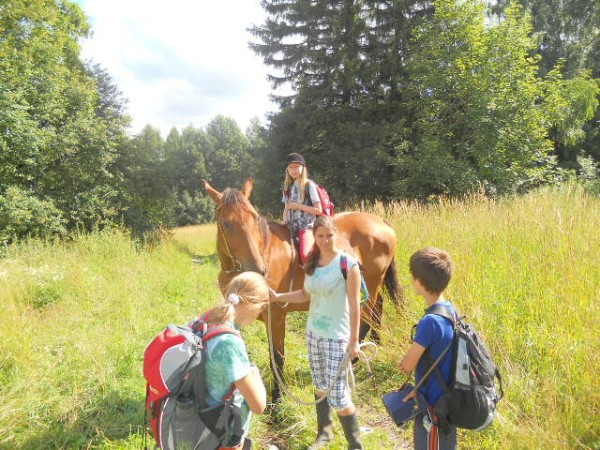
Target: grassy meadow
{"type": "Point", "coordinates": [75, 319]}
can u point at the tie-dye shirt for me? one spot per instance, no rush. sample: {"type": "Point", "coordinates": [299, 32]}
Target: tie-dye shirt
{"type": "Point", "coordinates": [329, 313]}
{"type": "Point", "coordinates": [227, 363]}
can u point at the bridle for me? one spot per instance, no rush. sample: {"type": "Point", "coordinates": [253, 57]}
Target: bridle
{"type": "Point", "coordinates": [236, 263]}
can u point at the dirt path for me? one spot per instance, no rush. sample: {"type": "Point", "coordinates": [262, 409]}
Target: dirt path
{"type": "Point", "coordinates": [371, 419]}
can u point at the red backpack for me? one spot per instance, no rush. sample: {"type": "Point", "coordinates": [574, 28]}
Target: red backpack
{"type": "Point", "coordinates": [326, 205]}
{"type": "Point", "coordinates": [174, 369]}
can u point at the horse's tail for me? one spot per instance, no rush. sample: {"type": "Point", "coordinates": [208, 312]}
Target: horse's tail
{"type": "Point", "coordinates": [392, 285]}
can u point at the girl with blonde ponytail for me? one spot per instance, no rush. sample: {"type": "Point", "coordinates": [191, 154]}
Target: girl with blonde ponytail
{"type": "Point", "coordinates": [300, 212]}
{"type": "Point", "coordinates": [228, 363]}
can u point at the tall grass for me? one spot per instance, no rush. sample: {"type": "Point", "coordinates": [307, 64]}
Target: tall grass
{"type": "Point", "coordinates": [77, 316]}
{"type": "Point", "coordinates": [528, 277]}
{"type": "Point", "coordinates": [75, 321]}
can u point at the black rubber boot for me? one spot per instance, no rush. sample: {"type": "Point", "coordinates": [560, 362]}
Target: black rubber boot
{"type": "Point", "coordinates": [351, 431]}
{"type": "Point", "coordinates": [325, 427]}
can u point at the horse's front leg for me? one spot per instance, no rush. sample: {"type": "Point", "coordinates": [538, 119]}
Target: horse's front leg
{"type": "Point", "coordinates": [276, 334]}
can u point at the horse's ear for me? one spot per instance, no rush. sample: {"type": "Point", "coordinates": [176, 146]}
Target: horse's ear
{"type": "Point", "coordinates": [248, 185]}
{"type": "Point", "coordinates": [212, 193]}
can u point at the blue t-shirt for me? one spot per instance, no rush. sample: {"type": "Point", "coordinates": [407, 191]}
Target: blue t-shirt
{"type": "Point", "coordinates": [227, 363]}
{"type": "Point", "coordinates": [329, 312]}
{"type": "Point", "coordinates": [435, 333]}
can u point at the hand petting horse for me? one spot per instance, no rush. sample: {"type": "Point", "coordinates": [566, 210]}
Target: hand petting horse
{"type": "Point", "coordinates": [246, 241]}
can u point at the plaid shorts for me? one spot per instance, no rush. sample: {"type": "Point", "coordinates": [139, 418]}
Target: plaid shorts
{"type": "Point", "coordinates": [325, 357]}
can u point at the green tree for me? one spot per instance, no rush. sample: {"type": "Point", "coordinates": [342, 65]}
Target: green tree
{"type": "Point", "coordinates": [267, 173]}
{"type": "Point", "coordinates": [343, 52]}
{"type": "Point", "coordinates": [483, 114]}
{"type": "Point", "coordinates": [346, 64]}
{"type": "Point", "coordinates": [184, 158]}
{"type": "Point", "coordinates": [39, 83]}
{"type": "Point", "coordinates": [58, 139]}
{"type": "Point", "coordinates": [567, 30]}
{"type": "Point", "coordinates": [147, 196]}
{"type": "Point", "coordinates": [567, 33]}
{"type": "Point", "coordinates": [186, 166]}
{"type": "Point", "coordinates": [227, 159]}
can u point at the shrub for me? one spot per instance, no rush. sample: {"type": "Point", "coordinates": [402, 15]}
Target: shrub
{"type": "Point", "coordinates": [24, 215]}
{"type": "Point", "coordinates": [193, 209]}
{"type": "Point", "coordinates": [590, 174]}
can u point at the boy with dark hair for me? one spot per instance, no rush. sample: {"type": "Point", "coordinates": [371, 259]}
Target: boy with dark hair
{"type": "Point", "coordinates": [431, 270]}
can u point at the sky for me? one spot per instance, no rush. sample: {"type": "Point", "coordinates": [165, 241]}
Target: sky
{"type": "Point", "coordinates": [180, 62]}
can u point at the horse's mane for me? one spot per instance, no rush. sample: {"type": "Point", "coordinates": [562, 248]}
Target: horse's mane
{"type": "Point", "coordinates": [234, 196]}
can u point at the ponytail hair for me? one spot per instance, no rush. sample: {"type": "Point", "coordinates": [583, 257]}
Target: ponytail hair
{"type": "Point", "coordinates": [247, 288]}
{"type": "Point", "coordinates": [312, 260]}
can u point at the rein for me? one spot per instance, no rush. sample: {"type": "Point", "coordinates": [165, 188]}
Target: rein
{"type": "Point", "coordinates": [237, 264]}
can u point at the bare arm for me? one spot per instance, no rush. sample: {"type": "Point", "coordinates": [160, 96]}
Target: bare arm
{"type": "Point", "coordinates": [299, 296]}
{"type": "Point", "coordinates": [353, 294]}
{"type": "Point", "coordinates": [253, 390]}
{"type": "Point", "coordinates": [285, 213]}
{"type": "Point", "coordinates": [409, 361]}
{"type": "Point", "coordinates": [315, 209]}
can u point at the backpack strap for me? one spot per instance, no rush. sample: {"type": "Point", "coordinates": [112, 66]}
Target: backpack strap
{"type": "Point", "coordinates": [307, 200]}
{"type": "Point", "coordinates": [215, 330]}
{"type": "Point", "coordinates": [344, 266]}
{"type": "Point", "coordinates": [434, 366]}
{"type": "Point", "coordinates": [210, 331]}
{"type": "Point", "coordinates": [443, 311]}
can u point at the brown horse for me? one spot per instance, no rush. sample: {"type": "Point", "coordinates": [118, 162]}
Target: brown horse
{"type": "Point", "coordinates": [247, 242]}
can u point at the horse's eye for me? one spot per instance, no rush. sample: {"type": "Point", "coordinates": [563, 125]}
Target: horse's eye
{"type": "Point", "coordinates": [227, 225]}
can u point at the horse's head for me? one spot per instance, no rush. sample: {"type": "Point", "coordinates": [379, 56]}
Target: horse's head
{"type": "Point", "coordinates": [242, 233]}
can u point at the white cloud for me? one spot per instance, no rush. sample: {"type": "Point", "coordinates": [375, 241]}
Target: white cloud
{"type": "Point", "coordinates": [181, 62]}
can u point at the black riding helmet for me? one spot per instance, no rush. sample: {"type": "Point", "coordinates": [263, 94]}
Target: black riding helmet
{"type": "Point", "coordinates": [294, 158]}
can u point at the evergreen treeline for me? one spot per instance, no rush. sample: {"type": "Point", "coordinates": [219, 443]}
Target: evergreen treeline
{"type": "Point", "coordinates": [390, 99]}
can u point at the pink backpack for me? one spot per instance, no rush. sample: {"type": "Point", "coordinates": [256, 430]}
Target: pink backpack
{"type": "Point", "coordinates": [326, 205]}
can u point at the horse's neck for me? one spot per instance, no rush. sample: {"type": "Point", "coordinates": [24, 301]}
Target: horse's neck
{"type": "Point", "coordinates": [279, 234]}
{"type": "Point", "coordinates": [280, 244]}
